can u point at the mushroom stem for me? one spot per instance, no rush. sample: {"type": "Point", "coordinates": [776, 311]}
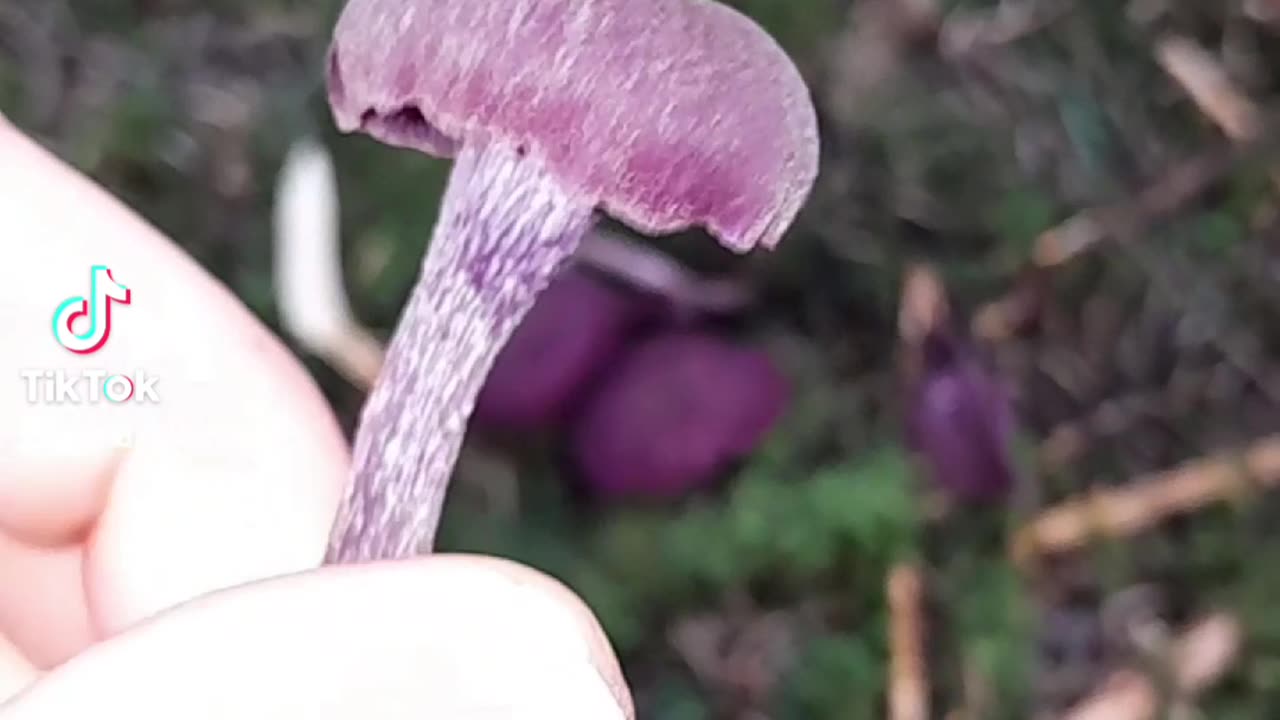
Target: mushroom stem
{"type": "Point", "coordinates": [505, 227]}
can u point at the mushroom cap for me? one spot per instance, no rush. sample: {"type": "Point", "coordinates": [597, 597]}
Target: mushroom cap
{"type": "Point", "coordinates": [961, 423]}
{"type": "Point", "coordinates": [675, 412]}
{"type": "Point", "coordinates": [667, 114]}
{"type": "Point", "coordinates": [574, 329]}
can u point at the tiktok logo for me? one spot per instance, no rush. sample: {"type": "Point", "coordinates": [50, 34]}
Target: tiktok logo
{"type": "Point", "coordinates": [89, 386]}
{"type": "Point", "coordinates": [103, 291]}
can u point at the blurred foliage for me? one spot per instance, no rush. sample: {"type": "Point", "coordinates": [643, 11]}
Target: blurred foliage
{"type": "Point", "coordinates": [794, 25]}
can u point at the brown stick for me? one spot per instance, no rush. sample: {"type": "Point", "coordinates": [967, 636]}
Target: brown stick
{"type": "Point", "coordinates": [1210, 88]}
{"type": "Point", "coordinates": [1198, 658]}
{"type": "Point", "coordinates": [1181, 184]}
{"type": "Point", "coordinates": [1213, 92]}
{"type": "Point", "coordinates": [1015, 311]}
{"type": "Point", "coordinates": [1069, 440]}
{"type": "Point", "coordinates": [908, 675]}
{"type": "Point", "coordinates": [924, 307]}
{"type": "Point", "coordinates": [358, 355]}
{"type": "Point", "coordinates": [1148, 500]}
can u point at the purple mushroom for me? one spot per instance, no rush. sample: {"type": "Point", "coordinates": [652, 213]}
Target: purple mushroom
{"type": "Point", "coordinates": [958, 419]}
{"type": "Point", "coordinates": [678, 409]}
{"type": "Point", "coordinates": [577, 326]}
{"type": "Point", "coordinates": [616, 289]}
{"type": "Point", "coordinates": [961, 424]}
{"type": "Point", "coordinates": [666, 114]}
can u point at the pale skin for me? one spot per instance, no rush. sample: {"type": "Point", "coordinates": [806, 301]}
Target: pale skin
{"type": "Point", "coordinates": [177, 574]}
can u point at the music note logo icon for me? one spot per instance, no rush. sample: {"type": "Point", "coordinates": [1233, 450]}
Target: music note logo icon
{"type": "Point", "coordinates": [96, 308]}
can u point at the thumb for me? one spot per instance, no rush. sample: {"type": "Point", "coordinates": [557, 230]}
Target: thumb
{"type": "Point", "coordinates": [440, 636]}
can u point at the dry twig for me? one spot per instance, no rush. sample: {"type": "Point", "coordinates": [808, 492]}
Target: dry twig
{"type": "Point", "coordinates": [1146, 501]}
{"type": "Point", "coordinates": [1210, 87]}
{"type": "Point", "coordinates": [924, 307]}
{"type": "Point", "coordinates": [1127, 219]}
{"type": "Point", "coordinates": [1197, 659]}
{"type": "Point", "coordinates": [908, 673]}
{"type": "Point", "coordinates": [1212, 90]}
{"type": "Point", "coordinates": [1110, 418]}
{"type": "Point", "coordinates": [1013, 312]}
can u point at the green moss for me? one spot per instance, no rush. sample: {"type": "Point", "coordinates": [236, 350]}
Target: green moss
{"type": "Point", "coordinates": [1020, 216]}
{"type": "Point", "coordinates": [10, 92]}
{"type": "Point", "coordinates": [837, 677]}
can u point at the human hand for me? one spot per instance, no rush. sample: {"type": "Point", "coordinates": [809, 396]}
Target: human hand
{"type": "Point", "coordinates": [117, 556]}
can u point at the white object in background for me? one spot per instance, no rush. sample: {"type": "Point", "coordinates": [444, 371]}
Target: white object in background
{"type": "Point", "coordinates": [308, 266]}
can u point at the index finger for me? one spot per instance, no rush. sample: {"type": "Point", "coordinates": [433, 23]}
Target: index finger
{"type": "Point", "coordinates": [224, 465]}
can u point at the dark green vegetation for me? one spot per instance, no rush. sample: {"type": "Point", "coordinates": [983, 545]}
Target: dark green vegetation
{"type": "Point", "coordinates": [768, 594]}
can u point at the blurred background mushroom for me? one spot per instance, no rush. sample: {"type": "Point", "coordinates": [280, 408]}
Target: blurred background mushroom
{"type": "Point", "coordinates": [958, 418]}
{"type": "Point", "coordinates": [580, 325]}
{"type": "Point", "coordinates": [676, 412]}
